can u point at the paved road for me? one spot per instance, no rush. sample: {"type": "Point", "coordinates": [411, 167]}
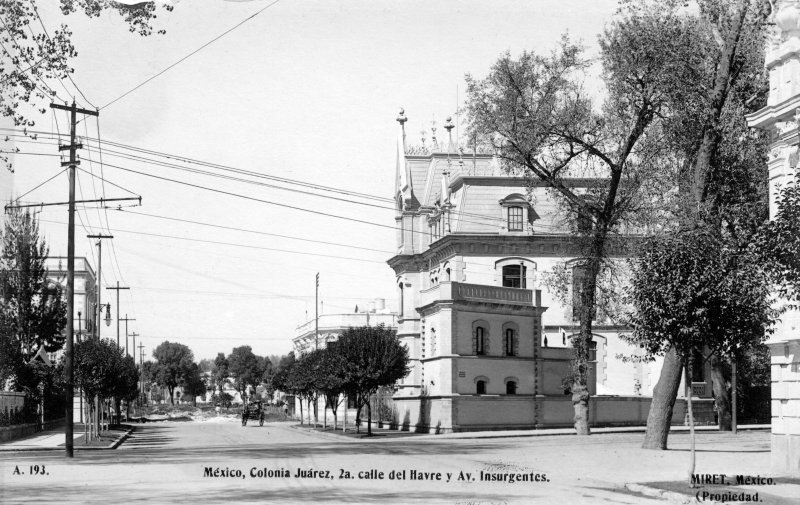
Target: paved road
{"type": "Point", "coordinates": [170, 462]}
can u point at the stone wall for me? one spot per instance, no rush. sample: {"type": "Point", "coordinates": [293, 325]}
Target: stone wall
{"type": "Point", "coordinates": [506, 412]}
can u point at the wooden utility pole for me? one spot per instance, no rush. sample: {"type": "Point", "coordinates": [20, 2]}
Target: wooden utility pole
{"type": "Point", "coordinates": [316, 315]}
{"type": "Point", "coordinates": [134, 335]}
{"type": "Point", "coordinates": [126, 319]}
{"type": "Point", "coordinates": [99, 238]}
{"type": "Point", "coordinates": [141, 371]}
{"type": "Point", "coordinates": [117, 289]}
{"type": "Point", "coordinates": [72, 163]}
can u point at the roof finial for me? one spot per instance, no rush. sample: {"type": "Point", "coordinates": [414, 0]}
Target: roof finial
{"type": "Point", "coordinates": [401, 118]}
{"type": "Point", "coordinates": [422, 133]}
{"type": "Point", "coordinates": [433, 134]}
{"type": "Point", "coordinates": [448, 125]}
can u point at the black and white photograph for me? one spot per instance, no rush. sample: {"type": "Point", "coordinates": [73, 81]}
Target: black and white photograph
{"type": "Point", "coordinates": [458, 252]}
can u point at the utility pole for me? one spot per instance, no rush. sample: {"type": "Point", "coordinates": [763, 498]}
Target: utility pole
{"type": "Point", "coordinates": [72, 163]}
{"type": "Point", "coordinates": [141, 371]}
{"type": "Point", "coordinates": [126, 319]}
{"type": "Point", "coordinates": [117, 289]}
{"type": "Point", "coordinates": [134, 335]}
{"type": "Point", "coordinates": [128, 403]}
{"type": "Point", "coordinates": [99, 238]}
{"type": "Point", "coordinates": [316, 315]}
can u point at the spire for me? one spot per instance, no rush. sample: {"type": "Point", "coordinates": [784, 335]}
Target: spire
{"type": "Point", "coordinates": [403, 178]}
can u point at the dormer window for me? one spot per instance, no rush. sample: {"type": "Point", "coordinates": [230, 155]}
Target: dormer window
{"type": "Point", "coordinates": [517, 211]}
{"type": "Point", "coordinates": [515, 218]}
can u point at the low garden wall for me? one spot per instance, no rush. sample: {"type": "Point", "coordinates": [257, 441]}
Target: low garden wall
{"type": "Point", "coordinates": [18, 431]}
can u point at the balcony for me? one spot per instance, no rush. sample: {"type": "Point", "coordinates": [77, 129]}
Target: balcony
{"type": "Point", "coordinates": [476, 293]}
{"type": "Point", "coordinates": [340, 322]}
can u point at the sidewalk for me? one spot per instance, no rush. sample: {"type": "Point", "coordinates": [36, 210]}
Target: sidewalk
{"type": "Point", "coordinates": [387, 433]}
{"type": "Point", "coordinates": [53, 439]}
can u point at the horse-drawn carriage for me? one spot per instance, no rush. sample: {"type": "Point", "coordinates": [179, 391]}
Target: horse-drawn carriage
{"type": "Point", "coordinates": [254, 411]}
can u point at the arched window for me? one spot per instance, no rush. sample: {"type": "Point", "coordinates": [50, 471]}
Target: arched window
{"type": "Point", "coordinates": [508, 342]}
{"type": "Point", "coordinates": [480, 387]}
{"type": "Point", "coordinates": [480, 340]}
{"type": "Point", "coordinates": [511, 388]}
{"type": "Point", "coordinates": [515, 218]}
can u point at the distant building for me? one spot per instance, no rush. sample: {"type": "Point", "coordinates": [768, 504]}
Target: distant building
{"type": "Point", "coordinates": [331, 326]}
{"type": "Point", "coordinates": [85, 288]}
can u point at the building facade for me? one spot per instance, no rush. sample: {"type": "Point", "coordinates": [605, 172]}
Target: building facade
{"type": "Point", "coordinates": [489, 338]}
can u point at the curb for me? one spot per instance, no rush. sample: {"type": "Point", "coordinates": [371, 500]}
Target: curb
{"type": "Point", "coordinates": [76, 447]}
{"type": "Point", "coordinates": [322, 433]}
{"type": "Point", "coordinates": [671, 496]}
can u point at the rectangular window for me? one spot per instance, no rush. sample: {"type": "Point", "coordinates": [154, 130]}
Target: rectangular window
{"type": "Point", "coordinates": [515, 219]}
{"type": "Point", "coordinates": [479, 343]}
{"type": "Point", "coordinates": [514, 276]}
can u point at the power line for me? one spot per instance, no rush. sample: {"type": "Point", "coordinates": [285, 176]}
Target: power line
{"type": "Point", "coordinates": [117, 230]}
{"type": "Point", "coordinates": [190, 54]}
{"type": "Point", "coordinates": [17, 200]}
{"type": "Point", "coordinates": [251, 198]}
{"type": "Point", "coordinates": [254, 231]}
{"type": "Point", "coordinates": [235, 179]}
{"type": "Point", "coordinates": [215, 165]}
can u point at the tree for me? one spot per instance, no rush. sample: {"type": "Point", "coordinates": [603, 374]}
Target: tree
{"type": "Point", "coordinates": [703, 128]}
{"type": "Point", "coordinates": [32, 309]}
{"type": "Point", "coordinates": [206, 365]}
{"type": "Point", "coordinates": [304, 378]}
{"type": "Point", "coordinates": [174, 364]}
{"type": "Point", "coordinates": [535, 114]}
{"type": "Point", "coordinates": [219, 373]}
{"type": "Point", "coordinates": [331, 380]}
{"type": "Point", "coordinates": [693, 295]}
{"type": "Point", "coordinates": [193, 384]}
{"type": "Point", "coordinates": [245, 369]}
{"type": "Point", "coordinates": [280, 379]}
{"type": "Point", "coordinates": [102, 372]}
{"type": "Point", "coordinates": [126, 383]}
{"type": "Point", "coordinates": [373, 357]}
{"type": "Point", "coordinates": [267, 371]}
{"type": "Point", "coordinates": [36, 54]}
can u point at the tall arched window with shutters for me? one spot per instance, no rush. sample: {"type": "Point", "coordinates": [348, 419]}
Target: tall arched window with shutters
{"type": "Point", "coordinates": [508, 342]}
{"type": "Point", "coordinates": [480, 340]}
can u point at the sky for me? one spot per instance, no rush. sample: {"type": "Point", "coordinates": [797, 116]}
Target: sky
{"type": "Point", "coordinates": [305, 90]}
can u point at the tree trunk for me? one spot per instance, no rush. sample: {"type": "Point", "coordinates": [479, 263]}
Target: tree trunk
{"type": "Point", "coordinates": [692, 459]}
{"type": "Point", "coordinates": [722, 398]}
{"type": "Point", "coordinates": [369, 418]}
{"type": "Point", "coordinates": [118, 405]}
{"type": "Point", "coordinates": [344, 420]}
{"type": "Point", "coordinates": [301, 411]}
{"type": "Point", "coordinates": [171, 396]}
{"type": "Point", "coordinates": [666, 391]}
{"type": "Point", "coordinates": [358, 417]}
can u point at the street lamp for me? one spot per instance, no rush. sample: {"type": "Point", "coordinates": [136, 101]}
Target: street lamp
{"type": "Point", "coordinates": [108, 314]}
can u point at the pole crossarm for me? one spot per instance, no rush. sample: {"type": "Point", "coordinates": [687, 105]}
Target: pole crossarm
{"type": "Point", "coordinates": [73, 108]}
{"type": "Point", "coordinates": [117, 289]}
{"type": "Point", "coordinates": [101, 200]}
